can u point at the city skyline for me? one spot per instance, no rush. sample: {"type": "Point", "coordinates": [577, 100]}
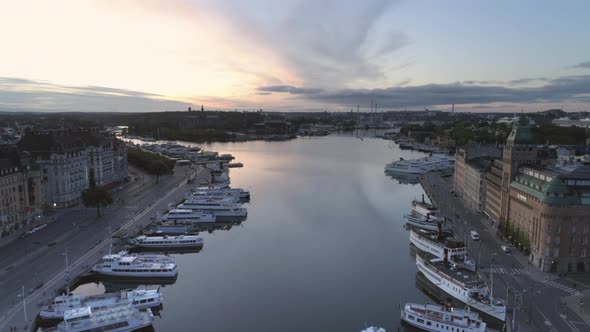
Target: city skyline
{"type": "Point", "coordinates": [294, 56]}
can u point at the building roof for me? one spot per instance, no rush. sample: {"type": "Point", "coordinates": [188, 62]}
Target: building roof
{"type": "Point", "coordinates": [480, 163]}
{"type": "Point", "coordinates": [521, 132]}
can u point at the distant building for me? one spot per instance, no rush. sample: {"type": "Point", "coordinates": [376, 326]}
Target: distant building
{"type": "Point", "coordinates": [20, 189]}
{"type": "Point", "coordinates": [567, 122]}
{"type": "Point", "coordinates": [70, 158]}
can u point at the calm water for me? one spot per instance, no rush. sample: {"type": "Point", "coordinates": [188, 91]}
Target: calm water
{"type": "Point", "coordinates": [323, 249]}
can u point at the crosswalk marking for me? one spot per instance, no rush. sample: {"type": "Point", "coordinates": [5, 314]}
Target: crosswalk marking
{"type": "Point", "coordinates": [503, 270]}
{"type": "Point", "coordinates": [563, 287]}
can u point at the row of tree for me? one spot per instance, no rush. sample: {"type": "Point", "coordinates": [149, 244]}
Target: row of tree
{"type": "Point", "coordinates": [152, 163]}
{"type": "Point", "coordinates": [519, 238]}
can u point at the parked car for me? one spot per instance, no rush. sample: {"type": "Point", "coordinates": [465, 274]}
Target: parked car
{"type": "Point", "coordinates": [474, 236]}
{"type": "Point", "coordinates": [505, 249]}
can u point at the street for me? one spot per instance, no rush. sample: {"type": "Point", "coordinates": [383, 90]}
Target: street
{"type": "Point", "coordinates": [532, 296]}
{"type": "Point", "coordinates": [36, 265]}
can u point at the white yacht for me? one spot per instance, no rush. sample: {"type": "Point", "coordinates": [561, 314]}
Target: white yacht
{"type": "Point", "coordinates": [138, 298]}
{"type": "Point", "coordinates": [432, 163]}
{"type": "Point", "coordinates": [202, 200]}
{"type": "Point", "coordinates": [136, 266]}
{"type": "Point", "coordinates": [241, 193]}
{"type": "Point", "coordinates": [438, 318]}
{"type": "Point", "coordinates": [121, 318]}
{"type": "Point", "coordinates": [167, 242]}
{"type": "Point", "coordinates": [440, 245]}
{"type": "Point", "coordinates": [424, 215]}
{"type": "Point", "coordinates": [462, 284]}
{"type": "Point", "coordinates": [188, 216]}
{"type": "Point", "coordinates": [221, 211]}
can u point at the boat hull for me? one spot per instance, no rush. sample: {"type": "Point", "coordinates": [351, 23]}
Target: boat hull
{"type": "Point", "coordinates": [442, 284]}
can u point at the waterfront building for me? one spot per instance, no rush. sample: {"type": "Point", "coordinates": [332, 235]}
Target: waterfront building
{"type": "Point", "coordinates": [69, 159]}
{"type": "Point", "coordinates": [551, 206]}
{"type": "Point", "coordinates": [493, 189]}
{"type": "Point", "coordinates": [471, 165]}
{"type": "Point", "coordinates": [20, 189]}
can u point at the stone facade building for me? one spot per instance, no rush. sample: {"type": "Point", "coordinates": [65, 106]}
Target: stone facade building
{"type": "Point", "coordinates": [546, 205]}
{"type": "Point", "coordinates": [69, 159]}
{"type": "Point", "coordinates": [552, 206]}
{"type": "Point", "coordinates": [471, 165]}
{"type": "Point", "coordinates": [20, 189]}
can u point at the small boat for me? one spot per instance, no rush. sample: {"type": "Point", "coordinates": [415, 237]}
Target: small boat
{"type": "Point", "coordinates": [167, 242]}
{"type": "Point", "coordinates": [138, 298]}
{"type": "Point", "coordinates": [438, 318]}
{"type": "Point", "coordinates": [235, 165]}
{"type": "Point", "coordinates": [120, 318]}
{"type": "Point", "coordinates": [373, 329]}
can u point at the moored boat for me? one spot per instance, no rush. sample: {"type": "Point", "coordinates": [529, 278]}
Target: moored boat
{"type": "Point", "coordinates": [438, 318]}
{"type": "Point", "coordinates": [138, 298]}
{"type": "Point", "coordinates": [440, 244]}
{"type": "Point", "coordinates": [120, 318]}
{"type": "Point", "coordinates": [167, 242]}
{"type": "Point", "coordinates": [462, 284]}
{"type": "Point", "coordinates": [136, 266]}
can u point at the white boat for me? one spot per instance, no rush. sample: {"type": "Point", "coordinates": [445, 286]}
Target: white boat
{"type": "Point", "coordinates": [427, 210]}
{"type": "Point", "coordinates": [136, 266]}
{"type": "Point", "coordinates": [441, 245]}
{"type": "Point", "coordinates": [167, 242]}
{"type": "Point", "coordinates": [206, 200]}
{"type": "Point", "coordinates": [222, 212]}
{"type": "Point", "coordinates": [462, 284]}
{"type": "Point", "coordinates": [373, 329]}
{"type": "Point", "coordinates": [422, 222]}
{"type": "Point", "coordinates": [138, 298]}
{"type": "Point", "coordinates": [438, 318]}
{"type": "Point", "coordinates": [432, 163]}
{"type": "Point", "coordinates": [211, 191]}
{"type": "Point", "coordinates": [188, 216]}
{"type": "Point", "coordinates": [121, 318]}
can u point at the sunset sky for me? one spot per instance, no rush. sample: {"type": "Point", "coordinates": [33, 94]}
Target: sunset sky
{"type": "Point", "coordinates": [294, 55]}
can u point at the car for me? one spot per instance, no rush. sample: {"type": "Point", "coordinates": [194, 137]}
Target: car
{"type": "Point", "coordinates": [505, 249]}
{"type": "Point", "coordinates": [474, 235]}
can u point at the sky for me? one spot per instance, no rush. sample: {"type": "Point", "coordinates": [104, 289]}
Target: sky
{"type": "Point", "coordinates": [294, 55]}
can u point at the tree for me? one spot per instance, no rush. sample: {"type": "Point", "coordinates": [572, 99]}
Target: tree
{"type": "Point", "coordinates": [96, 196]}
{"type": "Point", "coordinates": [158, 167]}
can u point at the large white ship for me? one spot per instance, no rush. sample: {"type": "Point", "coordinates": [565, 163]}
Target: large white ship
{"type": "Point", "coordinates": [138, 298]}
{"type": "Point", "coordinates": [221, 211]}
{"type": "Point", "coordinates": [167, 242]}
{"type": "Point", "coordinates": [438, 318]}
{"type": "Point", "coordinates": [462, 284]}
{"type": "Point", "coordinates": [432, 163]}
{"type": "Point", "coordinates": [121, 318]}
{"type": "Point", "coordinates": [440, 244]}
{"type": "Point", "coordinates": [136, 266]}
{"type": "Point", "coordinates": [207, 191]}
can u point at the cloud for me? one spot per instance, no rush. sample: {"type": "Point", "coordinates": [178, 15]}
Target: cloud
{"type": "Point", "coordinates": [29, 95]}
{"type": "Point", "coordinates": [289, 89]}
{"type": "Point", "coordinates": [527, 80]}
{"type": "Point", "coordinates": [584, 65]}
{"type": "Point", "coordinates": [570, 88]}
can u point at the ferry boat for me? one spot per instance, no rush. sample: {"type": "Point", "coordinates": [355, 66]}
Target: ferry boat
{"type": "Point", "coordinates": [222, 212]}
{"type": "Point", "coordinates": [461, 284]}
{"type": "Point", "coordinates": [432, 163]}
{"type": "Point", "coordinates": [210, 191]}
{"type": "Point", "coordinates": [121, 318]}
{"type": "Point", "coordinates": [216, 200]}
{"type": "Point", "coordinates": [437, 318]}
{"type": "Point", "coordinates": [441, 244]}
{"type": "Point", "coordinates": [138, 298]}
{"type": "Point", "coordinates": [181, 215]}
{"type": "Point", "coordinates": [167, 242]}
{"type": "Point", "coordinates": [136, 266]}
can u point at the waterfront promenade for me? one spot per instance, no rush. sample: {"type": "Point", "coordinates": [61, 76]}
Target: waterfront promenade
{"type": "Point", "coordinates": [37, 264]}
{"type": "Point", "coordinates": [538, 300]}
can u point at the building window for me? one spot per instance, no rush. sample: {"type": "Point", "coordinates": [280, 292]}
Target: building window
{"type": "Point", "coordinates": [548, 228]}
{"type": "Point", "coordinates": [556, 252]}
{"type": "Point", "coordinates": [548, 239]}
